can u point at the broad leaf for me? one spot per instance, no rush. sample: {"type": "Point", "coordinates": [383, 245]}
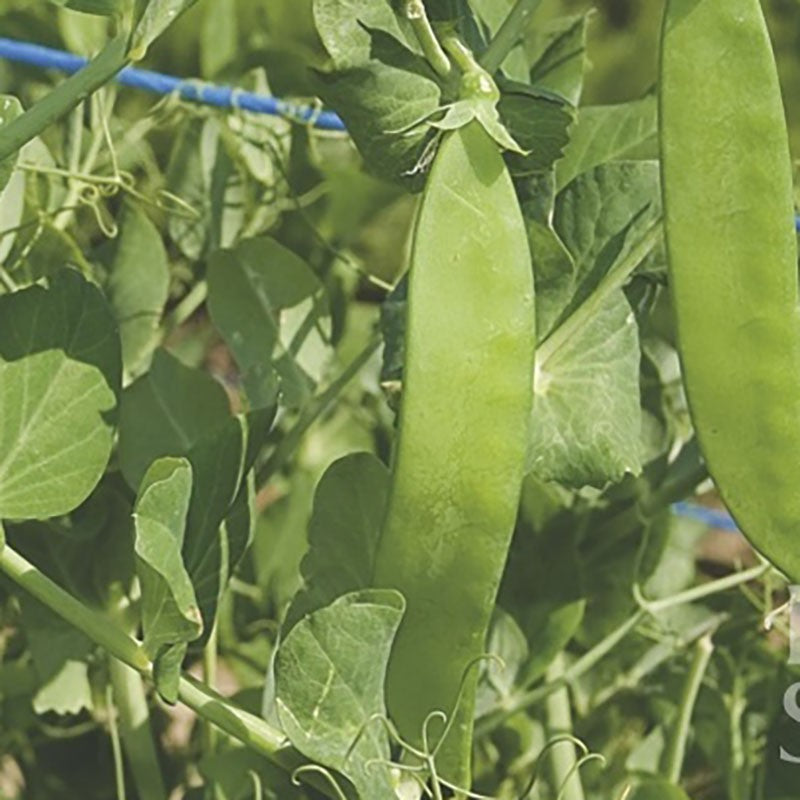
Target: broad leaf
{"type": "Point", "coordinates": [330, 672]}
{"type": "Point", "coordinates": [170, 615]}
{"type": "Point", "coordinates": [165, 413]}
{"type": "Point", "coordinates": [273, 313]}
{"type": "Point", "coordinates": [60, 657]}
{"type": "Point", "coordinates": [605, 133]}
{"type": "Point", "coordinates": [349, 504]}
{"type": "Point", "coordinates": [59, 385]}
{"type": "Point", "coordinates": [138, 286]}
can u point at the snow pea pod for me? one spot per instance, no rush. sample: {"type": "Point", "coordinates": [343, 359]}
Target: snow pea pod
{"type": "Point", "coordinates": [732, 252]}
{"type": "Point", "coordinates": [458, 466]}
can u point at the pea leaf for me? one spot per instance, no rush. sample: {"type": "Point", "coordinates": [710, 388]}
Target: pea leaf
{"type": "Point", "coordinates": [605, 133]}
{"type": "Point", "coordinates": [60, 658]}
{"type": "Point", "coordinates": [170, 614]}
{"type": "Point", "coordinates": [165, 413]}
{"type": "Point", "coordinates": [343, 532]}
{"type": "Point", "coordinates": [559, 56]}
{"type": "Point", "coordinates": [59, 386]}
{"type": "Point", "coordinates": [379, 85]}
{"type": "Point", "coordinates": [138, 286]}
{"type": "Point", "coordinates": [273, 313]}
{"type": "Point", "coordinates": [330, 672]}
{"type": "Point", "coordinates": [586, 427]}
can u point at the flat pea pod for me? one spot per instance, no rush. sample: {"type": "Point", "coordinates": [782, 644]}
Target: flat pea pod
{"type": "Point", "coordinates": [459, 463]}
{"type": "Point", "coordinates": [732, 252]}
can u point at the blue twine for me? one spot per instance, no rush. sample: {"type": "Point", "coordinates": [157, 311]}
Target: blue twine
{"type": "Point", "coordinates": [710, 516]}
{"type": "Point", "coordinates": [158, 83]}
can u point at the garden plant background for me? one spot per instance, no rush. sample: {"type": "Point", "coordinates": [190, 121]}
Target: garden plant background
{"type": "Point", "coordinates": [250, 268]}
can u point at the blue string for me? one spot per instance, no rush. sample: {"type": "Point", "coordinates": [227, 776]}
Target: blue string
{"type": "Point", "coordinates": [158, 83]}
{"type": "Point", "coordinates": [710, 516]}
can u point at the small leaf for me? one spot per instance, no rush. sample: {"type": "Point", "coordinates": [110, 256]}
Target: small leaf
{"type": "Point", "coordinates": [59, 385]}
{"type": "Point", "coordinates": [349, 504]}
{"type": "Point", "coordinates": [330, 674]}
{"type": "Point", "coordinates": [273, 313]}
{"type": "Point", "coordinates": [165, 413]}
{"type": "Point", "coordinates": [559, 56]}
{"type": "Point", "coordinates": [138, 286]}
{"type": "Point", "coordinates": [170, 614]}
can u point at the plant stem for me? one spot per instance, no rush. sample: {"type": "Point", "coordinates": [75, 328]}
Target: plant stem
{"type": "Point", "coordinates": [613, 280]}
{"type": "Point", "coordinates": [315, 408]}
{"type": "Point", "coordinates": [210, 679]}
{"type": "Point", "coordinates": [676, 747]}
{"type": "Point", "coordinates": [116, 747]}
{"type": "Point", "coordinates": [508, 35]}
{"type": "Point", "coordinates": [111, 59]}
{"type": "Point", "coordinates": [566, 778]}
{"type": "Point", "coordinates": [247, 728]}
{"type": "Point", "coordinates": [98, 627]}
{"type": "Point", "coordinates": [137, 736]}
{"type": "Point", "coordinates": [418, 18]}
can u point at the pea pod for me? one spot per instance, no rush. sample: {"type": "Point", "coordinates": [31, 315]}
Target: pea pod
{"type": "Point", "coordinates": [458, 467]}
{"type": "Point", "coordinates": [732, 251]}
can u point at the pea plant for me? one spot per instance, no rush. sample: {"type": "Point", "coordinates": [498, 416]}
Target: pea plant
{"type": "Point", "coordinates": [340, 446]}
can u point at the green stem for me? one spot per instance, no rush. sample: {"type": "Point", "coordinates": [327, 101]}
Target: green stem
{"type": "Point", "coordinates": [111, 59]}
{"type": "Point", "coordinates": [509, 34]}
{"type": "Point", "coordinates": [209, 732]}
{"type": "Point", "coordinates": [98, 627]}
{"type": "Point", "coordinates": [676, 747]}
{"type": "Point", "coordinates": [116, 747]}
{"type": "Point", "coordinates": [613, 280]}
{"type": "Point", "coordinates": [559, 722]}
{"type": "Point", "coordinates": [418, 18]}
{"type": "Point", "coordinates": [247, 728]}
{"type": "Point", "coordinates": [137, 736]}
{"type": "Point", "coordinates": [315, 408]}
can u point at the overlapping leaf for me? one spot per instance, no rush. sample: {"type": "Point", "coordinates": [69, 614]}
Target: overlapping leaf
{"type": "Point", "coordinates": [60, 375]}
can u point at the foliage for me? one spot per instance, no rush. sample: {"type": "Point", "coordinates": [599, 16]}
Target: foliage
{"type": "Point", "coordinates": [196, 418]}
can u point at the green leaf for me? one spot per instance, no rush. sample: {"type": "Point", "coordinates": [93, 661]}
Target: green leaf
{"type": "Point", "coordinates": [380, 86]}
{"type": "Point", "coordinates": [59, 386]}
{"type": "Point", "coordinates": [606, 133]}
{"type": "Point", "coordinates": [539, 122]}
{"type": "Point", "coordinates": [10, 109]}
{"type": "Point", "coordinates": [138, 286]}
{"type": "Point", "coordinates": [60, 657]}
{"type": "Point", "coordinates": [273, 313]}
{"type": "Point", "coordinates": [587, 423]}
{"type": "Point", "coordinates": [330, 672]}
{"type": "Point", "coordinates": [349, 504]}
{"type": "Point", "coordinates": [105, 8]}
{"type": "Point", "coordinates": [559, 56]}
{"type": "Point", "coordinates": [157, 17]}
{"type": "Point", "coordinates": [170, 614]}
{"type": "Point", "coordinates": [165, 413]}
{"type": "Point", "coordinates": [220, 37]}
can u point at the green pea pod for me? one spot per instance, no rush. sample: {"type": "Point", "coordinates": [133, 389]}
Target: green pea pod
{"type": "Point", "coordinates": [458, 468]}
{"type": "Point", "coordinates": [727, 188]}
